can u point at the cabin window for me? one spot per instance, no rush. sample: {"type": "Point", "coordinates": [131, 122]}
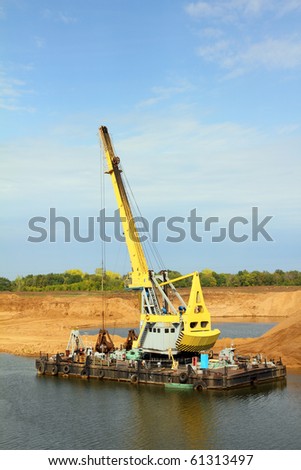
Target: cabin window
{"type": "Point", "coordinates": [158, 330]}
{"type": "Point", "coordinates": [166, 330]}
{"type": "Point", "coordinates": [154, 330]}
{"type": "Point", "coordinates": [204, 324]}
{"type": "Point", "coordinates": [193, 324]}
{"type": "Point", "coordinates": [150, 329]}
{"type": "Point", "coordinates": [172, 330]}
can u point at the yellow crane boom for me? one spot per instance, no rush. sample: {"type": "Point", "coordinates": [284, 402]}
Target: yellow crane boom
{"type": "Point", "coordinates": [140, 272]}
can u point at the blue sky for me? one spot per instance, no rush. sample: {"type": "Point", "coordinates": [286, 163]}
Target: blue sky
{"type": "Point", "coordinates": [203, 103]}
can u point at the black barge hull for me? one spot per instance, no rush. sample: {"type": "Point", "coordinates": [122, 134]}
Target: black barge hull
{"type": "Point", "coordinates": [211, 379]}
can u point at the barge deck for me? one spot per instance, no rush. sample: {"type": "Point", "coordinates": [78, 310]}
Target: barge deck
{"type": "Point", "coordinates": [222, 378]}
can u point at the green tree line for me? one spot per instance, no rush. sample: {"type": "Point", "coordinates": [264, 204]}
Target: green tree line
{"type": "Point", "coordinates": [76, 280]}
{"type": "Point", "coordinates": [71, 280]}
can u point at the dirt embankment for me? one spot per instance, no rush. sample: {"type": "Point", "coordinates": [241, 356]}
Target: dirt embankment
{"type": "Point", "coordinates": [30, 323]}
{"type": "Point", "coordinates": [284, 340]}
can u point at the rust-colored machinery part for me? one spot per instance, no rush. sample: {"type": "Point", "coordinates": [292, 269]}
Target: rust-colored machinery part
{"type": "Point", "coordinates": [132, 336]}
{"type": "Point", "coordinates": [104, 343]}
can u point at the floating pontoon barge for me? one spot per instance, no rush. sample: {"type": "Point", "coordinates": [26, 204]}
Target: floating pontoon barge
{"type": "Point", "coordinates": [243, 374]}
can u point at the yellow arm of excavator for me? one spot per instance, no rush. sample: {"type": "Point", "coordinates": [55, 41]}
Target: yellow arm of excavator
{"type": "Point", "coordinates": [140, 276]}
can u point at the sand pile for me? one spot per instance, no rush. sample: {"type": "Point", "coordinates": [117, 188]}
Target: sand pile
{"type": "Point", "coordinates": [284, 340]}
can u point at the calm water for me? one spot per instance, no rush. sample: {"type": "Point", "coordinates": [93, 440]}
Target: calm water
{"type": "Point", "coordinates": [55, 413]}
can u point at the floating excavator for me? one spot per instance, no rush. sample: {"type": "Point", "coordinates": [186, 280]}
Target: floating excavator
{"type": "Point", "coordinates": [165, 329]}
{"type": "Point", "coordinates": [170, 349]}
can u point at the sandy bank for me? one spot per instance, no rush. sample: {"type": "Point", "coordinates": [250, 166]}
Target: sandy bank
{"type": "Point", "coordinates": [30, 323]}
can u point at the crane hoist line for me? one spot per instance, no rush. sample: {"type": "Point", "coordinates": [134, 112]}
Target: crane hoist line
{"type": "Point", "coordinates": [165, 328]}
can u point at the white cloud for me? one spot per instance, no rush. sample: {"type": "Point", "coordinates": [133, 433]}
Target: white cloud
{"type": "Point", "coordinates": [249, 42]}
{"type": "Point", "coordinates": [289, 6]}
{"type": "Point", "coordinates": [289, 128]}
{"type": "Point", "coordinates": [280, 53]}
{"type": "Point", "coordinates": [58, 16]}
{"type": "Point", "coordinates": [162, 93]}
{"type": "Point", "coordinates": [46, 13]}
{"type": "Point", "coordinates": [230, 10]}
{"type": "Point", "coordinates": [218, 51]}
{"type": "Point", "coordinates": [273, 53]}
{"type": "Point", "coordinates": [39, 42]}
{"type": "Point", "coordinates": [13, 107]}
{"type": "Point", "coordinates": [221, 165]}
{"type": "Point", "coordinates": [66, 18]}
{"type": "Point", "coordinates": [214, 33]}
{"type": "Point", "coordinates": [226, 11]}
{"type": "Point", "coordinates": [166, 159]}
{"type": "Point", "coordinates": [44, 171]}
{"type": "Point", "coordinates": [11, 91]}
{"type": "Point", "coordinates": [198, 9]}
